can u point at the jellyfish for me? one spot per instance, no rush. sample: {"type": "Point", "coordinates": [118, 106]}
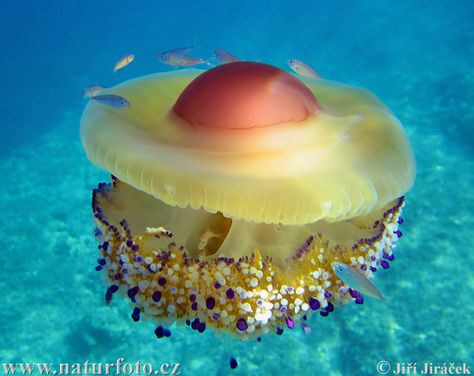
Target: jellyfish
{"type": "Point", "coordinates": [233, 190]}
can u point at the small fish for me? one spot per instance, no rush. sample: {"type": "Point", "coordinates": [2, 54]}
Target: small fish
{"type": "Point", "coordinates": [123, 62]}
{"type": "Point", "coordinates": [92, 91]}
{"type": "Point", "coordinates": [112, 100]}
{"type": "Point", "coordinates": [306, 328]}
{"type": "Point", "coordinates": [302, 69]}
{"type": "Point", "coordinates": [224, 57]}
{"type": "Point", "coordinates": [108, 296]}
{"type": "Point", "coordinates": [355, 280]}
{"type": "Point", "coordinates": [179, 59]}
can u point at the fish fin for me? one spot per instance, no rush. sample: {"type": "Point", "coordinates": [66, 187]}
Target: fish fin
{"type": "Point", "coordinates": [376, 293]}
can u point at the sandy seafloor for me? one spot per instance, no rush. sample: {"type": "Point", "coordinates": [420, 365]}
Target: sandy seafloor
{"type": "Point", "coordinates": [52, 306]}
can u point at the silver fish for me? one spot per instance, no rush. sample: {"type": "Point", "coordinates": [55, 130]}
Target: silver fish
{"type": "Point", "coordinates": [123, 62]}
{"type": "Point", "coordinates": [355, 280]}
{"type": "Point", "coordinates": [224, 57]}
{"type": "Point", "coordinates": [178, 59]}
{"type": "Point", "coordinates": [306, 328]}
{"type": "Point", "coordinates": [112, 100]}
{"type": "Point", "coordinates": [302, 69]}
{"type": "Point", "coordinates": [92, 91]}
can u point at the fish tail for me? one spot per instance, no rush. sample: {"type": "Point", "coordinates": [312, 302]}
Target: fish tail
{"type": "Point", "coordinates": [375, 293]}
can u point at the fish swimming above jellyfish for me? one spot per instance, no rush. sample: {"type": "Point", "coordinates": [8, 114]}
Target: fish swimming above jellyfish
{"type": "Point", "coordinates": [92, 91]}
{"type": "Point", "coordinates": [178, 57]}
{"type": "Point", "coordinates": [123, 62]}
{"type": "Point", "coordinates": [302, 69]}
{"type": "Point", "coordinates": [224, 57]}
{"type": "Point", "coordinates": [226, 208]}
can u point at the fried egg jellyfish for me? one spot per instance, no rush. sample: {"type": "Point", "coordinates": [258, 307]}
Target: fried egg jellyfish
{"type": "Point", "coordinates": [235, 188]}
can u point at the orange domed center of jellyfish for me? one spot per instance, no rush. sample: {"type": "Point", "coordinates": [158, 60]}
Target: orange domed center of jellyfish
{"type": "Point", "coordinates": [245, 95]}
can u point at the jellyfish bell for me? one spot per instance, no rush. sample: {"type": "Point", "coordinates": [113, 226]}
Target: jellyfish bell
{"type": "Point", "coordinates": [235, 188]}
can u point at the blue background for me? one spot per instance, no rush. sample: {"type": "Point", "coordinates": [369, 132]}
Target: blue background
{"type": "Point", "coordinates": [417, 56]}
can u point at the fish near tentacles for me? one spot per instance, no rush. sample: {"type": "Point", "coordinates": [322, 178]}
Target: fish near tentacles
{"type": "Point", "coordinates": [355, 280]}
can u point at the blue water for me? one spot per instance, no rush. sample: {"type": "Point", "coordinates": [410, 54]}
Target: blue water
{"type": "Point", "coordinates": [417, 56]}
